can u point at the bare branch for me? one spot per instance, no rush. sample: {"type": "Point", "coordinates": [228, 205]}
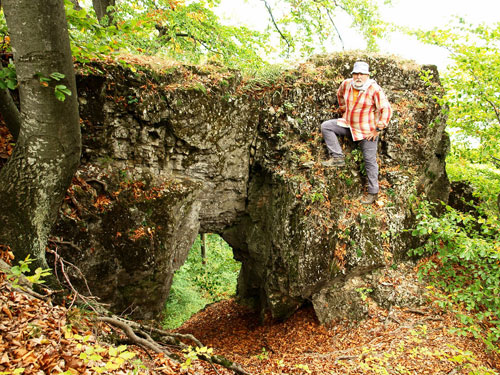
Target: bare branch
{"type": "Point", "coordinates": [335, 26]}
{"type": "Point", "coordinates": [270, 11]}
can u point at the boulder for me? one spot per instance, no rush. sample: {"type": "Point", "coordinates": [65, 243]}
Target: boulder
{"type": "Point", "coordinates": [243, 159]}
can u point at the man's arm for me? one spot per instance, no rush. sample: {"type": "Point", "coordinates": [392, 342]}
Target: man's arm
{"type": "Point", "coordinates": [340, 97]}
{"type": "Point", "coordinates": [383, 108]}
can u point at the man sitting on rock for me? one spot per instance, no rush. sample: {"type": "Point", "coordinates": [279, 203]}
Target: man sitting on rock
{"type": "Point", "coordinates": [365, 112]}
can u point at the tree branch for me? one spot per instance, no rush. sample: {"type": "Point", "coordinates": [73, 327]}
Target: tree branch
{"type": "Point", "coordinates": [495, 109]}
{"type": "Point", "coordinates": [270, 11]}
{"type": "Point", "coordinates": [483, 92]}
{"type": "Point", "coordinates": [101, 9]}
{"type": "Point", "coordinates": [336, 29]}
{"type": "Point", "coordinates": [162, 33]}
{"type": "Point", "coordinates": [25, 286]}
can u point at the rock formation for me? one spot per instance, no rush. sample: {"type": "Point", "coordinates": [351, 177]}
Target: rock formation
{"type": "Point", "coordinates": [174, 152]}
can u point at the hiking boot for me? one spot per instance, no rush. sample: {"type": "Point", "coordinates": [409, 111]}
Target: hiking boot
{"type": "Point", "coordinates": [369, 198]}
{"type": "Point", "coordinates": [334, 162]}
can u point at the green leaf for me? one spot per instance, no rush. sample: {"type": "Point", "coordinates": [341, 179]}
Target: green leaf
{"type": "Point", "coordinates": [127, 355]}
{"type": "Point", "coordinates": [113, 352]}
{"type": "Point", "coordinates": [57, 76]}
{"type": "Point", "coordinates": [61, 91]}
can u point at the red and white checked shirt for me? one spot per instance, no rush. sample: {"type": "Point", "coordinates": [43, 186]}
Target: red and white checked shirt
{"type": "Point", "coordinates": [370, 110]}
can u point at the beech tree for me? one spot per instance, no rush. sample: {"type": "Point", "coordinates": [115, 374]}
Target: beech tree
{"type": "Point", "coordinates": [47, 151]}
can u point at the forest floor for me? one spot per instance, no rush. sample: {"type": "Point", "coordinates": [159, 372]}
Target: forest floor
{"type": "Point", "coordinates": [399, 341]}
{"type": "Point", "coordinates": [39, 338]}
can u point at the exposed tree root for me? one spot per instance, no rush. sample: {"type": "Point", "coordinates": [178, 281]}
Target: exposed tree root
{"type": "Point", "coordinates": [138, 335]}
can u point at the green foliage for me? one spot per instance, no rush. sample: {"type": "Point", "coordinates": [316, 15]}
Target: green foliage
{"type": "Point", "coordinates": [191, 31]}
{"type": "Point", "coordinates": [196, 284]}
{"type": "Point", "coordinates": [465, 266]}
{"type": "Point", "coordinates": [60, 91]}
{"type": "Point", "coordinates": [484, 177]}
{"type": "Point", "coordinates": [304, 25]}
{"type": "Point", "coordinates": [100, 358]}
{"type": "Point", "coordinates": [191, 354]}
{"type": "Point", "coordinates": [472, 83]}
{"type": "Point", "coordinates": [466, 360]}
{"type": "Point", "coordinates": [264, 354]}
{"type": "Point", "coordinates": [89, 39]}
{"type": "Point", "coordinates": [23, 269]}
{"type": "Point", "coordinates": [178, 29]}
{"type": "Point", "coordinates": [8, 78]}
{"type": "Point", "coordinates": [364, 292]}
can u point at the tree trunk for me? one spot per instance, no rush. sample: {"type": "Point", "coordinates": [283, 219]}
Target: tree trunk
{"type": "Point", "coordinates": [101, 9]}
{"type": "Point", "coordinates": [37, 175]}
{"type": "Point", "coordinates": [76, 5]}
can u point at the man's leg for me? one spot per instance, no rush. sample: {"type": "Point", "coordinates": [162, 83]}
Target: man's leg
{"type": "Point", "coordinates": [369, 149]}
{"type": "Point", "coordinates": [330, 130]}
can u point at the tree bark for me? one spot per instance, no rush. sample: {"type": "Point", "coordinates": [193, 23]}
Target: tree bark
{"type": "Point", "coordinates": [37, 175]}
{"type": "Point", "coordinates": [76, 5]}
{"type": "Point", "coordinates": [101, 9]}
{"type": "Point", "coordinates": [10, 113]}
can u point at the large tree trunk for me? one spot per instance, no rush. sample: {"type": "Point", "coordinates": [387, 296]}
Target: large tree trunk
{"type": "Point", "coordinates": [37, 175]}
{"type": "Point", "coordinates": [101, 9]}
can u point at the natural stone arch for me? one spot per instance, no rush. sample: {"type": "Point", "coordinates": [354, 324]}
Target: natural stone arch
{"type": "Point", "coordinates": [201, 149]}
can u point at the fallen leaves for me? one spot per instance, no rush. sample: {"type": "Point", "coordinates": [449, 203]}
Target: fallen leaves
{"type": "Point", "coordinates": [37, 337]}
{"type": "Point", "coordinates": [390, 342]}
{"type": "Point", "coordinates": [6, 144]}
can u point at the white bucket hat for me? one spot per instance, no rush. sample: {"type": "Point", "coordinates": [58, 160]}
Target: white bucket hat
{"type": "Point", "coordinates": [360, 67]}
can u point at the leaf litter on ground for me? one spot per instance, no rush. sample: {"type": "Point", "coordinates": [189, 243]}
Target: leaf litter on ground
{"type": "Point", "coordinates": [37, 337]}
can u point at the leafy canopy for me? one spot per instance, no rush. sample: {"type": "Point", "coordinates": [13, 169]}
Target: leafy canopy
{"type": "Point", "coordinates": [191, 31]}
{"type": "Point", "coordinates": [167, 28]}
{"type": "Point", "coordinates": [306, 26]}
{"type": "Point", "coordinates": [472, 83]}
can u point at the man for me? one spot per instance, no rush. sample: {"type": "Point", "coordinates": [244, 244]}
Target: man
{"type": "Point", "coordinates": [365, 112]}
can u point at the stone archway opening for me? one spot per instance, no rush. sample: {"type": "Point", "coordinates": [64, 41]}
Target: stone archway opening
{"type": "Point", "coordinates": [208, 275]}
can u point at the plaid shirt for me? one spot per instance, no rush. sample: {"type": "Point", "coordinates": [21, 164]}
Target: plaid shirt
{"type": "Point", "coordinates": [370, 110]}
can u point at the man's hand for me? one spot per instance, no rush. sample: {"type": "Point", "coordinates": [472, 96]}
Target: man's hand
{"type": "Point", "coordinates": [373, 135]}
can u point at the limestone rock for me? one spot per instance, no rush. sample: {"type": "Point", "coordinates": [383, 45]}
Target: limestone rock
{"type": "Point", "coordinates": [245, 157]}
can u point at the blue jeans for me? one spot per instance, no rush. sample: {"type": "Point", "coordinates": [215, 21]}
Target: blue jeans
{"type": "Point", "coordinates": [331, 131]}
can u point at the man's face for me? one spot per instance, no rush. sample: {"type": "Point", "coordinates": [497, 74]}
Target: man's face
{"type": "Point", "coordinates": [359, 79]}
